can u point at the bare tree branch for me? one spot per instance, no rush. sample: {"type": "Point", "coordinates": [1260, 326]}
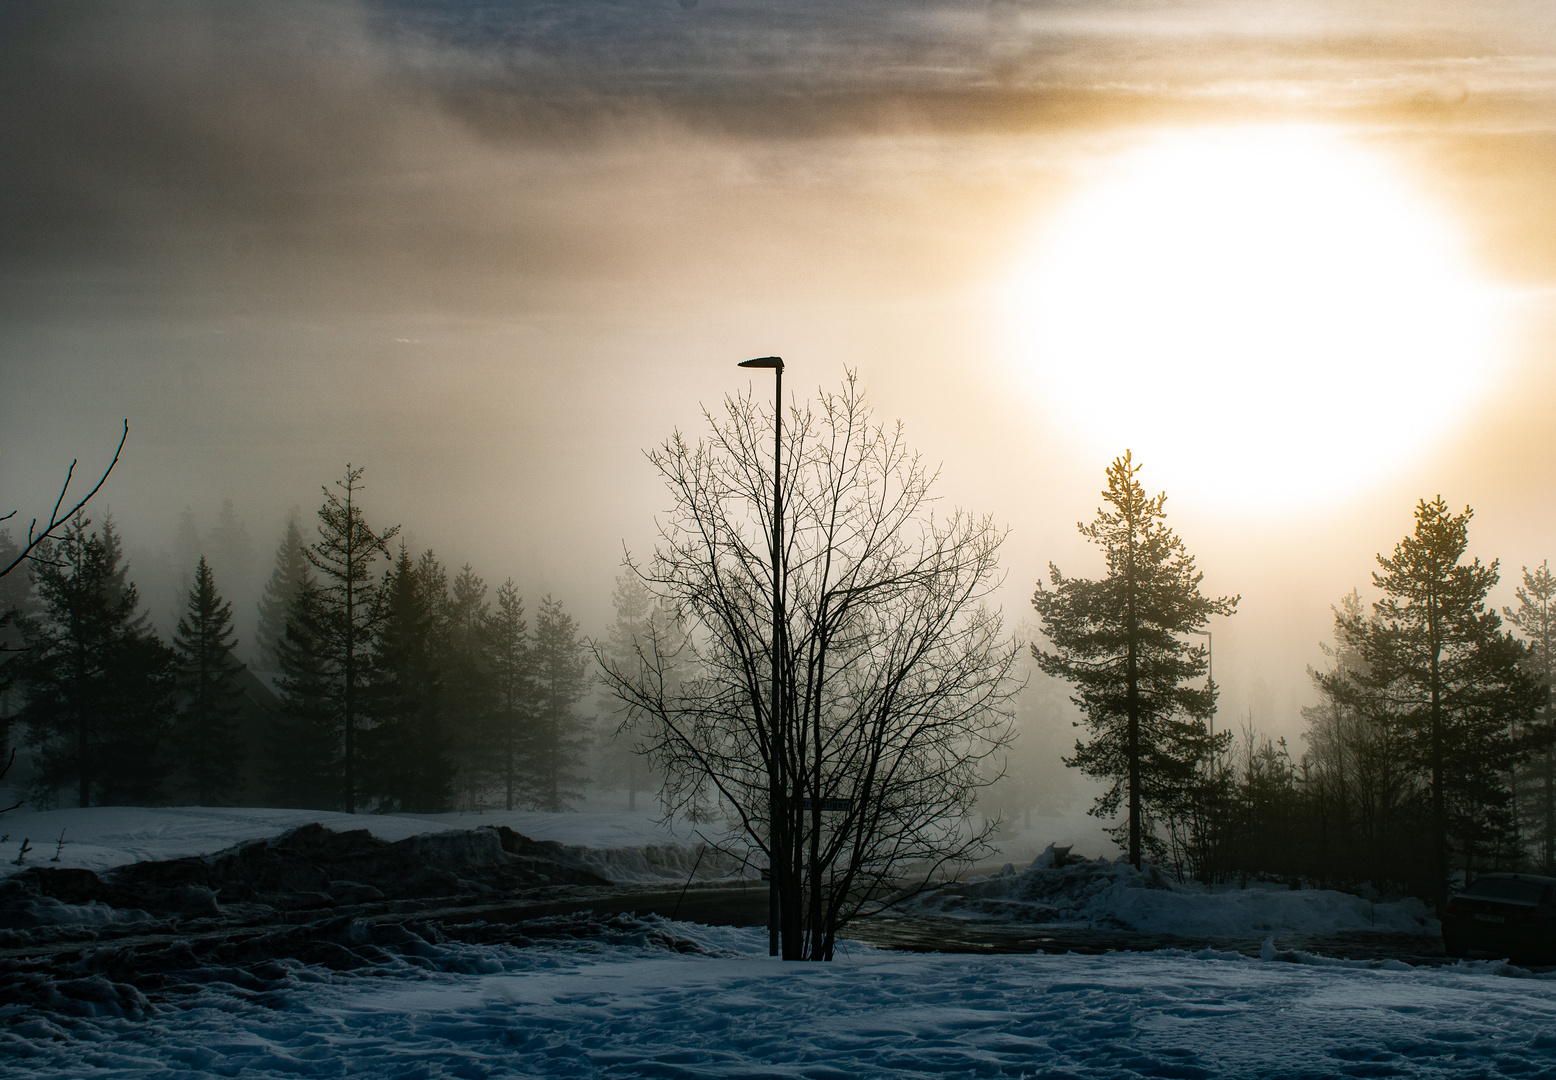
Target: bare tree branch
{"type": "Point", "coordinates": [36, 536]}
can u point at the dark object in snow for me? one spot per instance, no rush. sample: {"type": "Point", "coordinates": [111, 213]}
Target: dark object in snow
{"type": "Point", "coordinates": [1505, 915]}
{"type": "Point", "coordinates": [59, 846]}
{"type": "Point", "coordinates": [21, 856]}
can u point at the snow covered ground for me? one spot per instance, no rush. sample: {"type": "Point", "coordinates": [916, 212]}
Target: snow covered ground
{"type": "Point", "coordinates": [630, 847]}
{"type": "Point", "coordinates": [651, 998]}
{"type": "Point", "coordinates": [631, 1008]}
{"type": "Point", "coordinates": [1111, 894]}
{"type": "Point", "coordinates": [622, 846]}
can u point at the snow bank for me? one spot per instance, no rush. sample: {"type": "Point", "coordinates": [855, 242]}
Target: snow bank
{"type": "Point", "coordinates": [622, 846]}
{"type": "Point", "coordinates": [1109, 893]}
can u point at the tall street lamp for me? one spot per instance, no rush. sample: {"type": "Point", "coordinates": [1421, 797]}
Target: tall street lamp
{"type": "Point", "coordinates": [775, 761]}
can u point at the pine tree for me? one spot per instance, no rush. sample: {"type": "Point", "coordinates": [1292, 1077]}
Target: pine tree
{"type": "Point", "coordinates": [99, 682]}
{"type": "Point", "coordinates": [344, 556]}
{"type": "Point", "coordinates": [1536, 620]}
{"type": "Point", "coordinates": [18, 601]}
{"type": "Point", "coordinates": [406, 750]}
{"type": "Point", "coordinates": [304, 756]}
{"type": "Point", "coordinates": [1367, 795]}
{"type": "Point", "coordinates": [639, 616]}
{"type": "Point", "coordinates": [280, 595]}
{"type": "Point", "coordinates": [228, 546]}
{"type": "Point", "coordinates": [558, 736]}
{"type": "Point", "coordinates": [207, 744]}
{"type": "Point", "coordinates": [512, 690]}
{"type": "Point", "coordinates": [1120, 642]}
{"type": "Point", "coordinates": [468, 691]}
{"type": "Point", "coordinates": [1454, 679]}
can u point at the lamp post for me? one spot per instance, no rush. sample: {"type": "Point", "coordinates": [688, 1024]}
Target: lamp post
{"type": "Point", "coordinates": [1210, 680]}
{"type": "Point", "coordinates": [775, 731]}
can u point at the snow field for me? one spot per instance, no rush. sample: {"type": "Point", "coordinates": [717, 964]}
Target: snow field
{"type": "Point", "coordinates": [632, 1010]}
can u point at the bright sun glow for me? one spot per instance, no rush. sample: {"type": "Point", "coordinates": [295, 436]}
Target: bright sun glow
{"type": "Point", "coordinates": [1266, 316]}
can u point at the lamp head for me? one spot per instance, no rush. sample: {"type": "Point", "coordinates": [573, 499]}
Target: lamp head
{"type": "Point", "coordinates": [764, 362]}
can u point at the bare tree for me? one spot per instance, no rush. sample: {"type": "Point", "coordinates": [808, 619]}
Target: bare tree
{"type": "Point", "coordinates": [894, 670]}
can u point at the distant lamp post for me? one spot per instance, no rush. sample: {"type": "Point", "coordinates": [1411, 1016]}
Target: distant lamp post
{"type": "Point", "coordinates": [775, 730]}
{"type": "Point", "coordinates": [1210, 681]}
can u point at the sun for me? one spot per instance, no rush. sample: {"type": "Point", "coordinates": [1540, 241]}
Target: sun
{"type": "Point", "coordinates": [1269, 317]}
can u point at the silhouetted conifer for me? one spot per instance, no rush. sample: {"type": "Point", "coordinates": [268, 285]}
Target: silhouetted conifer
{"type": "Point", "coordinates": [1535, 618]}
{"type": "Point", "coordinates": [1119, 641]}
{"type": "Point", "coordinates": [99, 683]}
{"type": "Point", "coordinates": [208, 749]}
{"type": "Point", "coordinates": [286, 581]}
{"type": "Point", "coordinates": [558, 735]}
{"type": "Point", "coordinates": [622, 760]}
{"type": "Point", "coordinates": [18, 600]}
{"type": "Point", "coordinates": [347, 609]}
{"type": "Point", "coordinates": [1455, 681]}
{"type": "Point", "coordinates": [303, 759]}
{"type": "Point", "coordinates": [512, 691]}
{"type": "Point", "coordinates": [406, 751]}
{"type": "Point", "coordinates": [468, 681]}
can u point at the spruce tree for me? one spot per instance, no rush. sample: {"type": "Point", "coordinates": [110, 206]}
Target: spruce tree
{"type": "Point", "coordinates": [558, 735]}
{"type": "Point", "coordinates": [468, 696]}
{"type": "Point", "coordinates": [512, 690]}
{"type": "Point", "coordinates": [100, 684]}
{"type": "Point", "coordinates": [344, 556]}
{"type": "Point", "coordinates": [304, 754]}
{"type": "Point", "coordinates": [1121, 642]}
{"type": "Point", "coordinates": [640, 619]}
{"type": "Point", "coordinates": [228, 547]}
{"type": "Point", "coordinates": [406, 750]}
{"type": "Point", "coordinates": [1454, 679]}
{"type": "Point", "coordinates": [207, 744]}
{"type": "Point", "coordinates": [1536, 620]}
{"type": "Point", "coordinates": [18, 601]}
{"type": "Point", "coordinates": [286, 581]}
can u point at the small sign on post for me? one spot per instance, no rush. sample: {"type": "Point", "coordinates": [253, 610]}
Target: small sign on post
{"type": "Point", "coordinates": [827, 804]}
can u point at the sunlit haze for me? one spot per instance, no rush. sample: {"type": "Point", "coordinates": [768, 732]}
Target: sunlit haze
{"type": "Point", "coordinates": [1297, 255]}
{"type": "Point", "coordinates": [1256, 311]}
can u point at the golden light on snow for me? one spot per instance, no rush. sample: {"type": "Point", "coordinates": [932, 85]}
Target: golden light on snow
{"type": "Point", "coordinates": [1267, 316]}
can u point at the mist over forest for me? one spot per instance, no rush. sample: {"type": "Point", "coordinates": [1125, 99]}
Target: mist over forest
{"type": "Point", "coordinates": [494, 255]}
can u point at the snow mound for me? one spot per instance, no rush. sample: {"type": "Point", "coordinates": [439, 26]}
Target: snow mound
{"type": "Point", "coordinates": [623, 847]}
{"type": "Point", "coordinates": [1059, 888]}
{"type": "Point", "coordinates": [310, 868]}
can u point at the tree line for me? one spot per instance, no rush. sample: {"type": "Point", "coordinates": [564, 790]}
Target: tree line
{"type": "Point", "coordinates": [813, 656]}
{"type": "Point", "coordinates": [396, 689]}
{"type": "Point", "coordinates": [1429, 754]}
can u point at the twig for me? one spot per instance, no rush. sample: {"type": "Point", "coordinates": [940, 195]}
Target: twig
{"type": "Point", "coordinates": [702, 850]}
{"type": "Point", "coordinates": [59, 846]}
{"type": "Point", "coordinates": [8, 763]}
{"type": "Point", "coordinates": [22, 854]}
{"type": "Point", "coordinates": [56, 519]}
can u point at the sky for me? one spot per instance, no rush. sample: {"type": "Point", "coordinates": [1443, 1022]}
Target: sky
{"type": "Point", "coordinates": [492, 252]}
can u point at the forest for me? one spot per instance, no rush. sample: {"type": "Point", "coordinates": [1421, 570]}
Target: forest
{"type": "Point", "coordinates": [380, 680]}
{"type": "Point", "coordinates": [376, 679]}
